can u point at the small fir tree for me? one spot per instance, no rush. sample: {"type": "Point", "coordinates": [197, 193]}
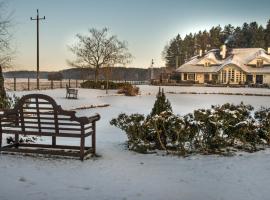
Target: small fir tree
{"type": "Point", "coordinates": [161, 104]}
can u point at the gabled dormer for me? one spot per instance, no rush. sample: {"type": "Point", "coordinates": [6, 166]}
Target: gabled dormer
{"type": "Point", "coordinates": [206, 62]}
{"type": "Point", "coordinates": [259, 62]}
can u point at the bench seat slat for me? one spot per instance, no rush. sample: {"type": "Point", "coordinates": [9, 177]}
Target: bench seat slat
{"type": "Point", "coordinates": [52, 123]}
{"type": "Point", "coordinates": [37, 133]}
{"type": "Point", "coordinates": [49, 146]}
{"type": "Point", "coordinates": [44, 127]}
{"type": "Point", "coordinates": [47, 118]}
{"type": "Point", "coordinates": [41, 151]}
{"type": "Point", "coordinates": [41, 108]}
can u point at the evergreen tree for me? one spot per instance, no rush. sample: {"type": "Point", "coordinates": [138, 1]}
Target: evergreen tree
{"type": "Point", "coordinates": [267, 35]}
{"type": "Point", "coordinates": [215, 37]}
{"type": "Point", "coordinates": [173, 52]}
{"type": "Point", "coordinates": [258, 40]}
{"type": "Point", "coordinates": [161, 104]}
{"type": "Point", "coordinates": [254, 34]}
{"type": "Point", "coordinates": [188, 46]}
{"type": "Point", "coordinates": [238, 38]}
{"type": "Point", "coordinates": [228, 35]}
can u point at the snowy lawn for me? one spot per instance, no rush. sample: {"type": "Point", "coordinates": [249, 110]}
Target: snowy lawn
{"type": "Point", "coordinates": [122, 174]}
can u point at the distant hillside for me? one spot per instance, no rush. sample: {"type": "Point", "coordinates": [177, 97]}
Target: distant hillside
{"type": "Point", "coordinates": [115, 73]}
{"type": "Point", "coordinates": [24, 74]}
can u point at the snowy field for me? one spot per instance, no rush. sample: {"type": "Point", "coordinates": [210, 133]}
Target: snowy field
{"type": "Point", "coordinates": [120, 174]}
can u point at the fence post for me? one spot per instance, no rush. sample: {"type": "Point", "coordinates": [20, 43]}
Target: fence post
{"type": "Point", "coordinates": [69, 83]}
{"type": "Point", "coordinates": [51, 84]}
{"type": "Point", "coordinates": [61, 83]}
{"type": "Point", "coordinates": [14, 83]}
{"type": "Point", "coordinates": [28, 84]}
{"type": "Point", "coordinates": [76, 83]}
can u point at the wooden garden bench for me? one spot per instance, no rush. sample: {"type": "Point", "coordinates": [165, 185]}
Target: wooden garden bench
{"type": "Point", "coordinates": [71, 93]}
{"type": "Point", "coordinates": [39, 115]}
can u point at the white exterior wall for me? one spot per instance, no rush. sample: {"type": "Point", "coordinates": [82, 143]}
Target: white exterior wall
{"type": "Point", "coordinates": [200, 77]}
{"type": "Point", "coordinates": [182, 76]}
{"type": "Point", "coordinates": [266, 78]}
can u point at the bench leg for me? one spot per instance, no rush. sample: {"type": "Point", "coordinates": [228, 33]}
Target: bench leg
{"type": "Point", "coordinates": [1, 138]}
{"type": "Point", "coordinates": [53, 140]}
{"type": "Point", "coordinates": [94, 138]}
{"type": "Point", "coordinates": [16, 140]}
{"type": "Point", "coordinates": [82, 147]}
{"type": "Point", "coordinates": [1, 134]}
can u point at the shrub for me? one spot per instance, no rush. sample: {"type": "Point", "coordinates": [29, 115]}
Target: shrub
{"type": "Point", "coordinates": [8, 102]}
{"type": "Point", "coordinates": [215, 130]}
{"type": "Point", "coordinates": [98, 85]}
{"type": "Point", "coordinates": [263, 117]}
{"type": "Point", "coordinates": [129, 90]}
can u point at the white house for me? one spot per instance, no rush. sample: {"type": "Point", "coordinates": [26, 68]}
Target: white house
{"type": "Point", "coordinates": [228, 66]}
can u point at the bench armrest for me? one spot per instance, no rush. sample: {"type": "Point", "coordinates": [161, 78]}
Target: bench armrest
{"type": "Point", "coordinates": [88, 120]}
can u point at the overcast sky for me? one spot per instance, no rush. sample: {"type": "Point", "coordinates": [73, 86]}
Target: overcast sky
{"type": "Point", "coordinates": [147, 25]}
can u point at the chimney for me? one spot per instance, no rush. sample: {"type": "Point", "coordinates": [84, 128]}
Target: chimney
{"type": "Point", "coordinates": [268, 51]}
{"type": "Point", "coordinates": [223, 50]}
{"type": "Point", "coordinates": [200, 52]}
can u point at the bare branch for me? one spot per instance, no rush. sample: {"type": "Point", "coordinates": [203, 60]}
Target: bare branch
{"type": "Point", "coordinates": [98, 49]}
{"type": "Point", "coordinates": [6, 53]}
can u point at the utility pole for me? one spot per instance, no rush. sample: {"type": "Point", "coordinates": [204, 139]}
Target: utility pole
{"type": "Point", "coordinates": [37, 19]}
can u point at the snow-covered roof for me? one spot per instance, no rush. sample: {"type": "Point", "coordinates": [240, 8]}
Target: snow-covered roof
{"type": "Point", "coordinates": [241, 57]}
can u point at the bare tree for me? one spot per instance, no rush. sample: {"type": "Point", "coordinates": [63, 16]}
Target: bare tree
{"type": "Point", "coordinates": [98, 49]}
{"type": "Point", "coordinates": [6, 52]}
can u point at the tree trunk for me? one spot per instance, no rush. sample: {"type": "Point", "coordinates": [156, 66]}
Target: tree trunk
{"type": "Point", "coordinates": [96, 74]}
{"type": "Point", "coordinates": [2, 88]}
{"type": "Point", "coordinates": [3, 94]}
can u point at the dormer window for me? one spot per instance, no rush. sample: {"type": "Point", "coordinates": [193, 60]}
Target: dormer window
{"type": "Point", "coordinates": [207, 64]}
{"type": "Point", "coordinates": [259, 62]}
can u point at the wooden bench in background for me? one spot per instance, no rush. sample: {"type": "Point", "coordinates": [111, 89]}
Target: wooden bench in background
{"type": "Point", "coordinates": [39, 115]}
{"type": "Point", "coordinates": [71, 93]}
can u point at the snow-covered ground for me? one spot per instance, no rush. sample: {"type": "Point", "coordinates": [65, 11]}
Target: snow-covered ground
{"type": "Point", "coordinates": [210, 90]}
{"type": "Point", "coordinates": [122, 174]}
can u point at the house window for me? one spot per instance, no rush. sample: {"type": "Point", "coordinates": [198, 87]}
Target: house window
{"type": "Point", "coordinates": [229, 75]}
{"type": "Point", "coordinates": [185, 77]}
{"type": "Point", "coordinates": [249, 78]}
{"type": "Point", "coordinates": [238, 76]}
{"type": "Point", "coordinates": [259, 79]}
{"type": "Point", "coordinates": [207, 64]}
{"type": "Point", "coordinates": [232, 75]}
{"type": "Point", "coordinates": [206, 77]}
{"type": "Point", "coordinates": [224, 72]}
{"type": "Point", "coordinates": [214, 77]}
{"type": "Point", "coordinates": [191, 76]}
{"type": "Point", "coordinates": [259, 62]}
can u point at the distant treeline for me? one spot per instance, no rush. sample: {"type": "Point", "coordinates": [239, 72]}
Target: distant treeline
{"type": "Point", "coordinates": [115, 73]}
{"type": "Point", "coordinates": [248, 36]}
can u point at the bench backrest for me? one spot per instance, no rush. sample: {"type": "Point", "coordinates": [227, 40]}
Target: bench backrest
{"type": "Point", "coordinates": [40, 113]}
